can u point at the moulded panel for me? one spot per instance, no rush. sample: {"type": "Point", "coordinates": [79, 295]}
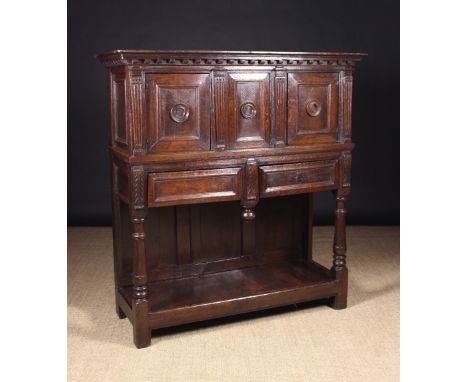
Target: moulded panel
{"type": "Point", "coordinates": [178, 111]}
{"type": "Point", "coordinates": [312, 108]}
{"type": "Point", "coordinates": [249, 109]}
{"type": "Point", "coordinates": [119, 125]}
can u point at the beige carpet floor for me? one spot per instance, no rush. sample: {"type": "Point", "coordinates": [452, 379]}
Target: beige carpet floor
{"type": "Point", "coordinates": [308, 343]}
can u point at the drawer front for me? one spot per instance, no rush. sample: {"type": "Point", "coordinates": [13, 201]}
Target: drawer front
{"type": "Point", "coordinates": [188, 187]}
{"type": "Point", "coordinates": [312, 108]}
{"type": "Point", "coordinates": [178, 111]}
{"type": "Point", "coordinates": [248, 109]}
{"type": "Point", "coordinates": [286, 179]}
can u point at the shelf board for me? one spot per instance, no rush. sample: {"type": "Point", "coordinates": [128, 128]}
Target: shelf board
{"type": "Point", "coordinates": [179, 301]}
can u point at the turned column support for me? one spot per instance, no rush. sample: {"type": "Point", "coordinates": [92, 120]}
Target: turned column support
{"type": "Point", "coordinates": [116, 234]}
{"type": "Point", "coordinates": [138, 210]}
{"type": "Point", "coordinates": [339, 269]}
{"type": "Point", "coordinates": [250, 197]}
{"type": "Point", "coordinates": [339, 241]}
{"type": "Point", "coordinates": [139, 274]}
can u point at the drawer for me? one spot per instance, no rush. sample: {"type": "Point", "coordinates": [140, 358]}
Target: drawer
{"type": "Point", "coordinates": [178, 111]}
{"type": "Point", "coordinates": [286, 179]}
{"type": "Point", "coordinates": [188, 187]}
{"type": "Point", "coordinates": [312, 108]}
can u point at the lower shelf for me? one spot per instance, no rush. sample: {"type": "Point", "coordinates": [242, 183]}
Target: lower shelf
{"type": "Point", "coordinates": [175, 302]}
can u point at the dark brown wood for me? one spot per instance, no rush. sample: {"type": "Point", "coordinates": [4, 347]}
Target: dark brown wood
{"type": "Point", "coordinates": [117, 232]}
{"type": "Point", "coordinates": [186, 187]}
{"type": "Point", "coordinates": [141, 329]}
{"type": "Point", "coordinates": [280, 116]}
{"type": "Point", "coordinates": [248, 109]}
{"type": "Point", "coordinates": [183, 235]}
{"type": "Point", "coordinates": [236, 291]}
{"type": "Point", "coordinates": [339, 269]}
{"type": "Point", "coordinates": [249, 201]}
{"type": "Point", "coordinates": [308, 226]}
{"type": "Point", "coordinates": [215, 158]}
{"type": "Point", "coordinates": [313, 108]}
{"type": "Point", "coordinates": [285, 179]}
{"type": "Point", "coordinates": [178, 112]}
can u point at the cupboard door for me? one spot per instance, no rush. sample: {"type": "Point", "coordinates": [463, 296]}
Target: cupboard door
{"type": "Point", "coordinates": [312, 108]}
{"type": "Point", "coordinates": [178, 111]}
{"type": "Point", "coordinates": [248, 109]}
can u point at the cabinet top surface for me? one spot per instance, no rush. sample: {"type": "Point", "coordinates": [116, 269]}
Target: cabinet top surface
{"type": "Point", "coordinates": [125, 56]}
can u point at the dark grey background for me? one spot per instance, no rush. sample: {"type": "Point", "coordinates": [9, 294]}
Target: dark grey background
{"type": "Point", "coordinates": [327, 25]}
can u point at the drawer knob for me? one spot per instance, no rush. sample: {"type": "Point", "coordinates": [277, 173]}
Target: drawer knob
{"type": "Point", "coordinates": [313, 107]}
{"type": "Point", "coordinates": [179, 113]}
{"type": "Point", "coordinates": [299, 177]}
{"type": "Point", "coordinates": [248, 110]}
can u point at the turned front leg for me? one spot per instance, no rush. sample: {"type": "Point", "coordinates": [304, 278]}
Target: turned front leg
{"type": "Point", "coordinates": [116, 234]}
{"type": "Point", "coordinates": [141, 329]}
{"type": "Point", "coordinates": [339, 269]}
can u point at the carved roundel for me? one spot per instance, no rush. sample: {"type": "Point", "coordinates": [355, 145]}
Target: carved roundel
{"type": "Point", "coordinates": [248, 110]}
{"type": "Point", "coordinates": [313, 107]}
{"type": "Point", "coordinates": [180, 113]}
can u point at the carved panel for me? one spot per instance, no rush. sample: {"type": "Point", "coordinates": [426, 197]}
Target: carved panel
{"type": "Point", "coordinates": [118, 117]}
{"type": "Point", "coordinates": [250, 193]}
{"type": "Point", "coordinates": [179, 111]}
{"type": "Point", "coordinates": [136, 102]}
{"type": "Point", "coordinates": [220, 109]}
{"type": "Point", "coordinates": [249, 115]}
{"type": "Point", "coordinates": [346, 94]}
{"type": "Point", "coordinates": [312, 107]}
{"type": "Point", "coordinates": [137, 199]}
{"type": "Point", "coordinates": [250, 197]}
{"type": "Point", "coordinates": [280, 106]}
{"type": "Point", "coordinates": [346, 169]}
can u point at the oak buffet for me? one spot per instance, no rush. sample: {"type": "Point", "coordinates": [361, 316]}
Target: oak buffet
{"type": "Point", "coordinates": [215, 157]}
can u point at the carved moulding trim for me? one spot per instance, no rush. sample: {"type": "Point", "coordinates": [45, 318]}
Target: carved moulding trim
{"type": "Point", "coordinates": [138, 188]}
{"type": "Point", "coordinates": [116, 60]}
{"type": "Point", "coordinates": [136, 106]}
{"type": "Point", "coordinates": [346, 161]}
{"type": "Point", "coordinates": [280, 106]}
{"type": "Point", "coordinates": [220, 112]}
{"type": "Point", "coordinates": [250, 195]}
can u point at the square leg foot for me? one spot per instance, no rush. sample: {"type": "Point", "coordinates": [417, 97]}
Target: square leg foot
{"type": "Point", "coordinates": [120, 313]}
{"type": "Point", "coordinates": [338, 302]}
{"type": "Point", "coordinates": [141, 337]}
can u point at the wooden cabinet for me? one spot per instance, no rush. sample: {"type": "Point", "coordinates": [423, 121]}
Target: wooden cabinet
{"type": "Point", "coordinates": [215, 159]}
